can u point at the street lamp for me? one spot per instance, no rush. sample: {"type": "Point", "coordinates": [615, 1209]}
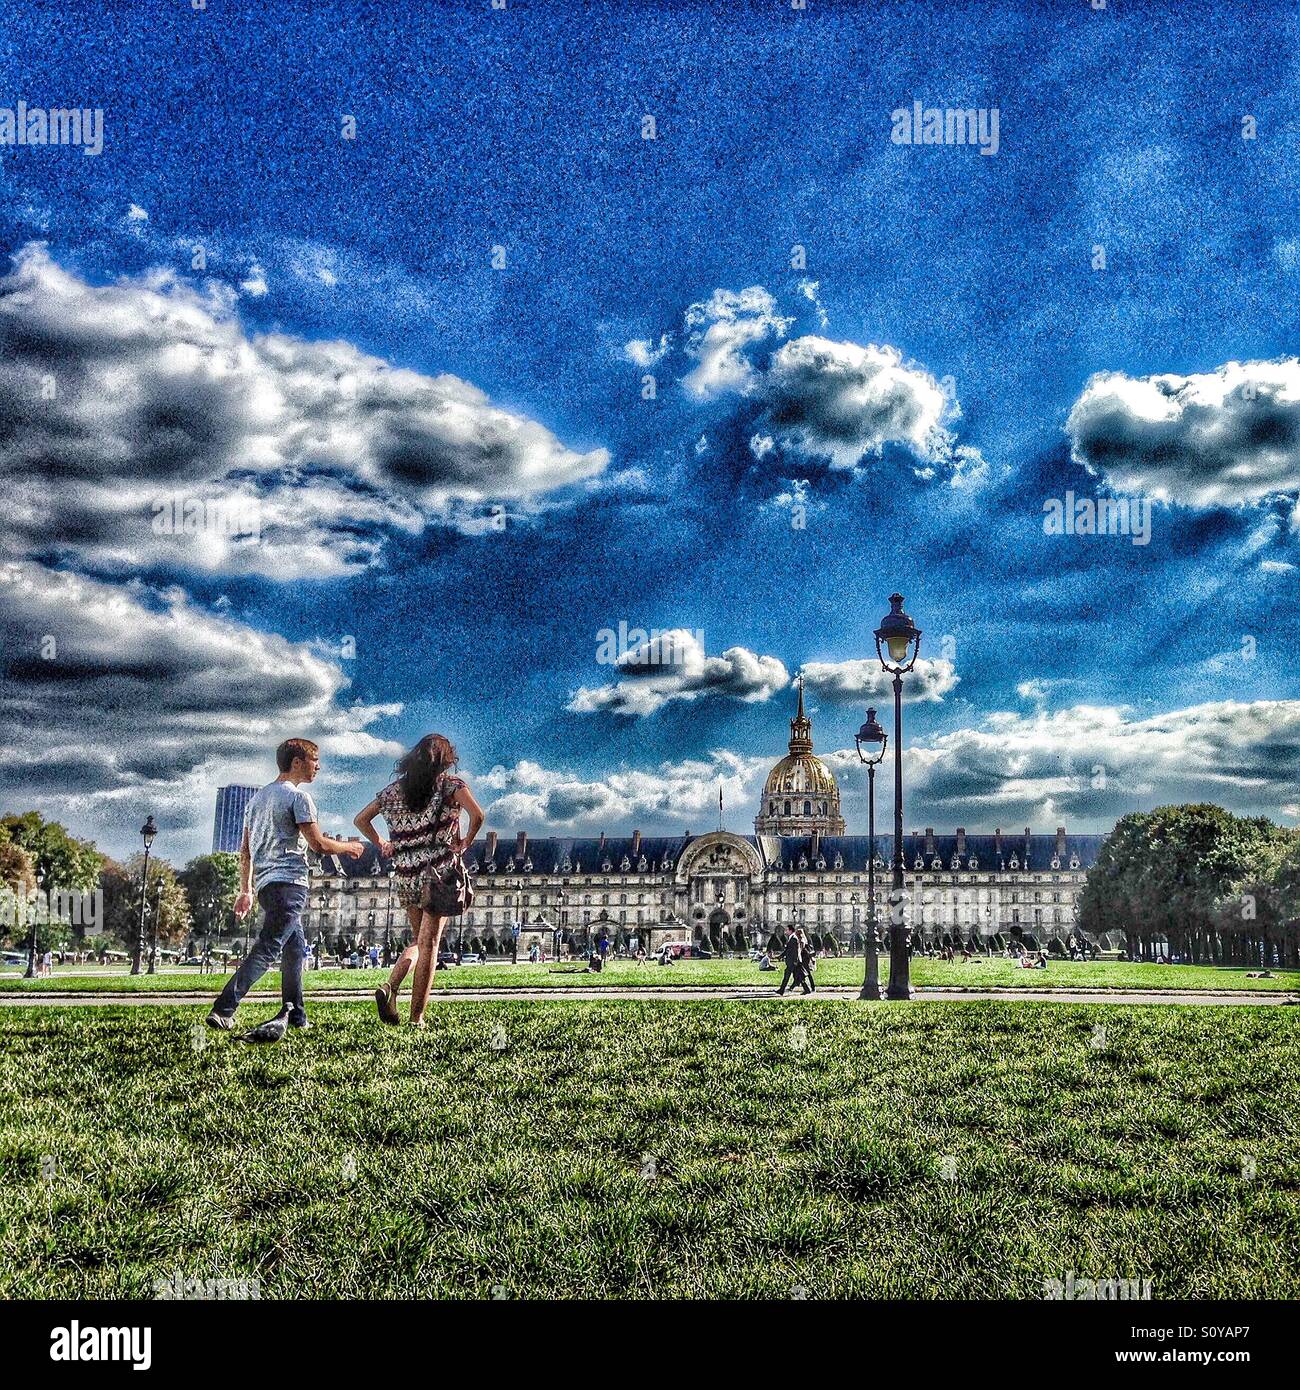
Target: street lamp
{"type": "Point", "coordinates": [898, 643]}
{"type": "Point", "coordinates": [388, 922]}
{"type": "Point", "coordinates": [30, 972]}
{"type": "Point", "coordinates": [147, 832]}
{"type": "Point", "coordinates": [153, 929]}
{"type": "Point", "coordinates": [560, 898]}
{"type": "Point", "coordinates": [875, 738]}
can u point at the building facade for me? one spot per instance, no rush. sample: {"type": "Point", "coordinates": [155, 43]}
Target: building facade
{"type": "Point", "coordinates": [228, 822]}
{"type": "Point", "coordinates": [728, 892]}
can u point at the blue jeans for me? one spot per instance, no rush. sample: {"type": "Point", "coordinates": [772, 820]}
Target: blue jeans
{"type": "Point", "coordinates": [282, 939]}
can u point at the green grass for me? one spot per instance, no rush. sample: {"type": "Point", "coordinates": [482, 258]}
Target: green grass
{"type": "Point", "coordinates": [974, 974]}
{"type": "Point", "coordinates": [938, 1150]}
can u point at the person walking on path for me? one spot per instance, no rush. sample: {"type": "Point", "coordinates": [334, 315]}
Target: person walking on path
{"type": "Point", "coordinates": [280, 826]}
{"type": "Point", "coordinates": [793, 953]}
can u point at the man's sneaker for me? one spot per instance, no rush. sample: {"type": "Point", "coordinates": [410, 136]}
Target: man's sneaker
{"type": "Point", "coordinates": [222, 1021]}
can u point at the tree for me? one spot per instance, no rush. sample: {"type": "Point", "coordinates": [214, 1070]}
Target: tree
{"type": "Point", "coordinates": [211, 884]}
{"type": "Point", "coordinates": [1169, 873]}
{"type": "Point", "coordinates": [59, 860]}
{"type": "Point", "coordinates": [121, 886]}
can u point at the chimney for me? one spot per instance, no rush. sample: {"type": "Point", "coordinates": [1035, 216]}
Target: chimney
{"type": "Point", "coordinates": [929, 841]}
{"type": "Point", "coordinates": [636, 842]}
{"type": "Point", "coordinates": [997, 840]}
{"type": "Point", "coordinates": [602, 840]}
{"type": "Point", "coordinates": [491, 845]}
{"type": "Point", "coordinates": [1060, 841]}
{"type": "Point", "coordinates": [816, 845]}
{"type": "Point", "coordinates": [961, 841]}
{"type": "Point", "coordinates": [521, 844]}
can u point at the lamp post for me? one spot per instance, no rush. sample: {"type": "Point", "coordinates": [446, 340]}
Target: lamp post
{"type": "Point", "coordinates": [30, 972]}
{"type": "Point", "coordinates": [147, 832]}
{"type": "Point", "coordinates": [875, 738]}
{"type": "Point", "coordinates": [153, 930]}
{"type": "Point", "coordinates": [560, 899]}
{"type": "Point", "coordinates": [388, 922]}
{"type": "Point", "coordinates": [898, 643]}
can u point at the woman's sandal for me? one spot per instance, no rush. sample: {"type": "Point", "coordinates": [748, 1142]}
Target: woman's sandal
{"type": "Point", "coordinates": [384, 1003]}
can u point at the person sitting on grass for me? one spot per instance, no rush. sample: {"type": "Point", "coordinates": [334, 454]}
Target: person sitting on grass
{"type": "Point", "coordinates": [280, 825]}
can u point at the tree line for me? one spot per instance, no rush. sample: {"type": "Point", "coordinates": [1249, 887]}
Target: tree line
{"type": "Point", "coordinates": [40, 856]}
{"type": "Point", "coordinates": [1199, 884]}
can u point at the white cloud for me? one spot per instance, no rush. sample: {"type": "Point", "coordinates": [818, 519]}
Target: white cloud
{"type": "Point", "coordinates": [674, 666]}
{"type": "Point", "coordinates": [674, 795]}
{"type": "Point", "coordinates": [117, 698]}
{"type": "Point", "coordinates": [864, 678]}
{"type": "Point", "coordinates": [1094, 763]}
{"type": "Point", "coordinates": [720, 330]}
{"type": "Point", "coordinates": [842, 401]}
{"type": "Point", "coordinates": [113, 396]}
{"type": "Point", "coordinates": [1221, 438]}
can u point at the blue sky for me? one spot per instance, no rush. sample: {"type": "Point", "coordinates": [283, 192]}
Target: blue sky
{"type": "Point", "coordinates": [892, 410]}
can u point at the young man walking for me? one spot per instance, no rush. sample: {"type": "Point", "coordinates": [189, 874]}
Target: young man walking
{"type": "Point", "coordinates": [280, 826]}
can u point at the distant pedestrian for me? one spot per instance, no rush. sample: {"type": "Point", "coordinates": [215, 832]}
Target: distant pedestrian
{"type": "Point", "coordinates": [794, 963]}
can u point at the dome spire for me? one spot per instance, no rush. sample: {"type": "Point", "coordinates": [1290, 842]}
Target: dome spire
{"type": "Point", "coordinates": [801, 727]}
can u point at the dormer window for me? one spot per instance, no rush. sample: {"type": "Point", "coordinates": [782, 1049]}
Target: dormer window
{"type": "Point", "coordinates": [567, 866]}
{"type": "Point", "coordinates": [1015, 863]}
{"type": "Point", "coordinates": [625, 865]}
{"type": "Point", "coordinates": [1074, 862]}
{"type": "Point", "coordinates": [972, 863]}
{"type": "Point", "coordinates": [510, 866]}
{"type": "Point", "coordinates": [839, 861]}
{"type": "Point", "coordinates": [492, 867]}
{"type": "Point", "coordinates": [821, 863]}
{"type": "Point", "coordinates": [528, 866]}
{"type": "Point", "coordinates": [1056, 863]}
{"type": "Point", "coordinates": [641, 864]}
{"type": "Point", "coordinates": [920, 863]}
{"type": "Point", "coordinates": [803, 861]}
{"type": "Point", "coordinates": [956, 862]}
{"type": "Point", "coordinates": [606, 867]}
{"type": "Point", "coordinates": [936, 862]}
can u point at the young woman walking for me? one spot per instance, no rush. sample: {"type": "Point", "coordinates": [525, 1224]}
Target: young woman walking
{"type": "Point", "coordinates": [422, 809]}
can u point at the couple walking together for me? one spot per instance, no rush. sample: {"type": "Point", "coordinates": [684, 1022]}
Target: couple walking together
{"type": "Point", "coordinates": [422, 811]}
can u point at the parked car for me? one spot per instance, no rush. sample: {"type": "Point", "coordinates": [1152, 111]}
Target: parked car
{"type": "Point", "coordinates": [471, 958]}
{"type": "Point", "coordinates": [192, 960]}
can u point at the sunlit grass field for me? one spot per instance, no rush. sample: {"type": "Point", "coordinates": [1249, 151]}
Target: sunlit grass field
{"type": "Point", "coordinates": [636, 1148]}
{"type": "Point", "coordinates": [980, 973]}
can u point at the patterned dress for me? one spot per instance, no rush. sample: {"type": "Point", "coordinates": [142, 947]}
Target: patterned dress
{"type": "Point", "coordinates": [422, 840]}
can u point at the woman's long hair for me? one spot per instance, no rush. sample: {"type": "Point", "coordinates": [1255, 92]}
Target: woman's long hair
{"type": "Point", "coordinates": [420, 770]}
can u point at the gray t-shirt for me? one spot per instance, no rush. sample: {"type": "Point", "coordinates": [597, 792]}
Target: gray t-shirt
{"type": "Point", "coordinates": [272, 819]}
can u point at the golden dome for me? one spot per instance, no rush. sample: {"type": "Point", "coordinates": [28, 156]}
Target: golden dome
{"type": "Point", "coordinates": [801, 795]}
{"type": "Point", "coordinates": [799, 774]}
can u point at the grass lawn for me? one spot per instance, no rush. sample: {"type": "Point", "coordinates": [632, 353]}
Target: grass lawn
{"type": "Point", "coordinates": [975, 974]}
{"type": "Point", "coordinates": [676, 1149]}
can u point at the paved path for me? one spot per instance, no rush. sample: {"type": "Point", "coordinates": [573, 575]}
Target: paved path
{"type": "Point", "coordinates": [1051, 996]}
